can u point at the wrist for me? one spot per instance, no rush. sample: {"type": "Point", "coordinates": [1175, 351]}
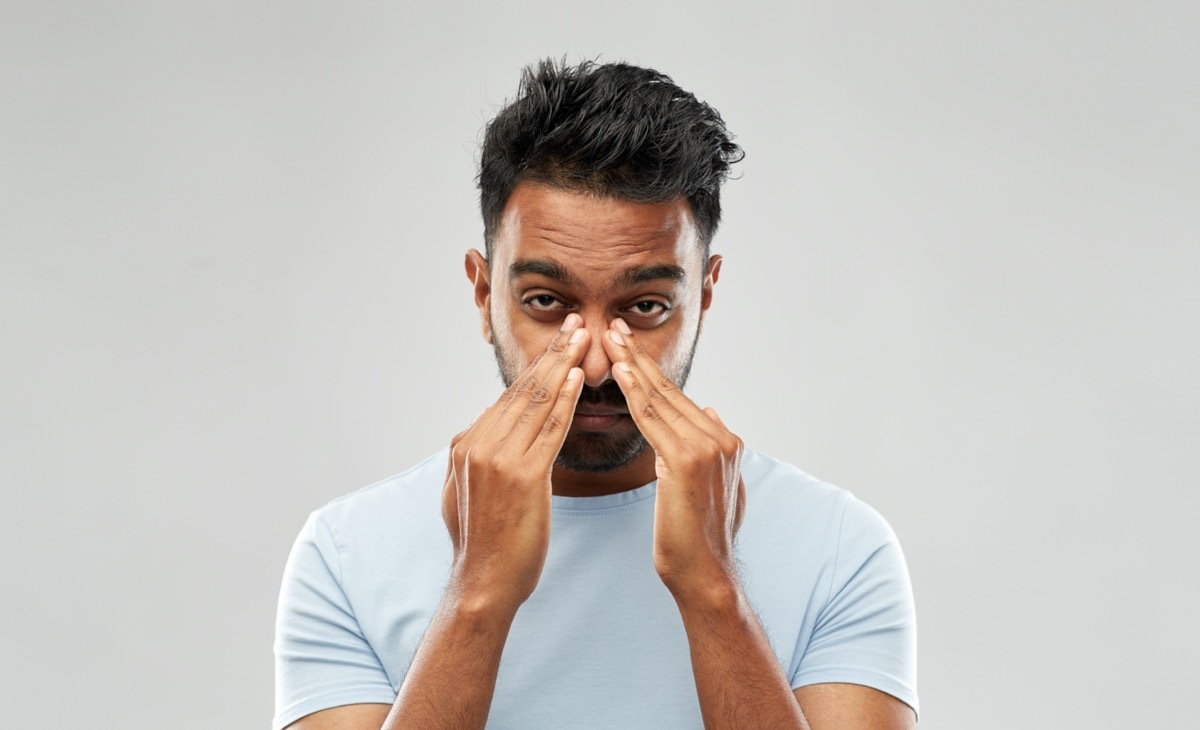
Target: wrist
{"type": "Point", "coordinates": [482, 599]}
{"type": "Point", "coordinates": [719, 591]}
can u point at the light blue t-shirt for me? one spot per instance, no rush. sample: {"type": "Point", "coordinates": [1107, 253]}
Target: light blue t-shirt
{"type": "Point", "coordinates": [600, 643]}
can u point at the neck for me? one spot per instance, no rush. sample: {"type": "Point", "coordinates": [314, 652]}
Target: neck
{"type": "Point", "coordinates": [636, 473]}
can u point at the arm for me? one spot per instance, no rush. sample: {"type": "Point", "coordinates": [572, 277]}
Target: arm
{"type": "Point", "coordinates": [741, 684]}
{"type": "Point", "coordinates": [825, 706]}
{"type": "Point", "coordinates": [836, 705]}
{"type": "Point", "coordinates": [699, 506]}
{"type": "Point", "coordinates": [450, 682]}
{"type": "Point", "coordinates": [453, 675]}
{"type": "Point", "coordinates": [496, 504]}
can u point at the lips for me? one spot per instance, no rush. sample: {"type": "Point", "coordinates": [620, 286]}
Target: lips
{"type": "Point", "coordinates": [592, 419]}
{"type": "Point", "coordinates": [600, 409]}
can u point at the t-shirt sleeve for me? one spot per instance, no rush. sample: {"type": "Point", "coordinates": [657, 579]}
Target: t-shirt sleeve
{"type": "Point", "coordinates": [322, 659]}
{"type": "Point", "coordinates": [866, 633]}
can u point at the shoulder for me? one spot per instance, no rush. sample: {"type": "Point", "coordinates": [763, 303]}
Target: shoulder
{"type": "Point", "coordinates": [826, 567]}
{"type": "Point", "coordinates": [415, 483]}
{"type": "Point", "coordinates": [782, 497]}
{"type": "Point", "coordinates": [766, 473]}
{"type": "Point", "coordinates": [774, 487]}
{"type": "Point", "coordinates": [404, 503]}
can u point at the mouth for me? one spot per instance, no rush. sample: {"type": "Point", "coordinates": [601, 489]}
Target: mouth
{"type": "Point", "coordinates": [597, 419]}
{"type": "Point", "coordinates": [600, 409]}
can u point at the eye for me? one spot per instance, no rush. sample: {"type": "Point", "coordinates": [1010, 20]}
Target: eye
{"type": "Point", "coordinates": [542, 302]}
{"type": "Point", "coordinates": [649, 307]}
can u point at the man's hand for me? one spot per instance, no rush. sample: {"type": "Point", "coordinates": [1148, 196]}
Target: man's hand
{"type": "Point", "coordinates": [701, 495]}
{"type": "Point", "coordinates": [496, 501]}
{"type": "Point", "coordinates": [697, 512]}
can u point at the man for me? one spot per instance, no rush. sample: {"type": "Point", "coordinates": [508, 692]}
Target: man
{"type": "Point", "coordinates": [596, 550]}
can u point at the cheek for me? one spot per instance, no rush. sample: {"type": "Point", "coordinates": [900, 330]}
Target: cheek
{"type": "Point", "coordinates": [518, 338]}
{"type": "Point", "coordinates": [673, 352]}
{"type": "Point", "coordinates": [671, 360]}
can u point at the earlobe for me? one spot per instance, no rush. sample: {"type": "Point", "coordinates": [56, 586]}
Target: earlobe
{"type": "Point", "coordinates": [476, 267]}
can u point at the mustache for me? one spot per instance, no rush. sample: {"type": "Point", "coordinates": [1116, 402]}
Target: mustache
{"type": "Point", "coordinates": [608, 394]}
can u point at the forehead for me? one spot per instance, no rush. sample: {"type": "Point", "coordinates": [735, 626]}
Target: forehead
{"type": "Point", "coordinates": [593, 238]}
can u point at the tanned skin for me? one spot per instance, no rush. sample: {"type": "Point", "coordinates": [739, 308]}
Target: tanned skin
{"type": "Point", "coordinates": [588, 327]}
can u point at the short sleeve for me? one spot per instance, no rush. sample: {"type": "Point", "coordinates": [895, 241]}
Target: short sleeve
{"type": "Point", "coordinates": [322, 659]}
{"type": "Point", "coordinates": [866, 632]}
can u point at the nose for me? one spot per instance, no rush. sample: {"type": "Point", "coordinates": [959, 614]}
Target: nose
{"type": "Point", "coordinates": [597, 368]}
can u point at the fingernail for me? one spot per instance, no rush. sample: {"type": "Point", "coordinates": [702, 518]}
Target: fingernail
{"type": "Point", "coordinates": [577, 335]}
{"type": "Point", "coordinates": [615, 337]}
{"type": "Point", "coordinates": [620, 324]}
{"type": "Point", "coordinates": [622, 366]}
{"type": "Point", "coordinates": [569, 323]}
{"type": "Point", "coordinates": [574, 373]}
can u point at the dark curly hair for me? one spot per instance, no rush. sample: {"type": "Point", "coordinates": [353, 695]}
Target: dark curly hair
{"type": "Point", "coordinates": [614, 130]}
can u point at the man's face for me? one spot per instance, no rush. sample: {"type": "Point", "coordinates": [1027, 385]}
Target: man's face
{"type": "Point", "coordinates": [557, 252]}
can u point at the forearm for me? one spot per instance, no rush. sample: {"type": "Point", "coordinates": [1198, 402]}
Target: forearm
{"type": "Point", "coordinates": [738, 677]}
{"type": "Point", "coordinates": [453, 675]}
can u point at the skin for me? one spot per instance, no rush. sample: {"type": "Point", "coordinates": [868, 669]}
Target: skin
{"type": "Point", "coordinates": [556, 336]}
{"type": "Point", "coordinates": [520, 312]}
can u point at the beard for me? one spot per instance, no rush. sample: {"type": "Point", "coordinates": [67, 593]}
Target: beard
{"type": "Point", "coordinates": [591, 451]}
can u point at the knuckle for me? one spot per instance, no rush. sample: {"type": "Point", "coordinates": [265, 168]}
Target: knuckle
{"type": "Point", "coordinates": [553, 424]}
{"type": "Point", "coordinates": [649, 411]}
{"type": "Point", "coordinates": [477, 455]}
{"type": "Point", "coordinates": [495, 461]}
{"type": "Point", "coordinates": [539, 395]}
{"type": "Point", "coordinates": [665, 384]}
{"type": "Point", "coordinates": [506, 397]}
{"type": "Point", "coordinates": [524, 418]}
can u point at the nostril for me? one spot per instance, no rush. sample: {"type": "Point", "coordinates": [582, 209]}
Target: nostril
{"type": "Point", "coordinates": [596, 373]}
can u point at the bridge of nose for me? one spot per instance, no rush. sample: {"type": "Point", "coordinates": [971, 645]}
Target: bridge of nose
{"type": "Point", "coordinates": [597, 368]}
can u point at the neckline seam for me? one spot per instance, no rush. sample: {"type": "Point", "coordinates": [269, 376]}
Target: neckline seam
{"type": "Point", "coordinates": [599, 511]}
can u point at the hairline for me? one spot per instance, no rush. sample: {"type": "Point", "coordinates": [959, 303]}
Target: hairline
{"type": "Point", "coordinates": [592, 191]}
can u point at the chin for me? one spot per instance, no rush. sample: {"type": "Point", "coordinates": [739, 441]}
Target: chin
{"type": "Point", "coordinates": [597, 453]}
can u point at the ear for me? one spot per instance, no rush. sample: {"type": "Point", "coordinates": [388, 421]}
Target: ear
{"type": "Point", "coordinates": [477, 271]}
{"type": "Point", "coordinates": [712, 273]}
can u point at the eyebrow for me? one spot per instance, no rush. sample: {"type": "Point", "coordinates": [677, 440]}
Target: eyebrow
{"type": "Point", "coordinates": [548, 269]}
{"type": "Point", "coordinates": [642, 274]}
{"type": "Point", "coordinates": [631, 276]}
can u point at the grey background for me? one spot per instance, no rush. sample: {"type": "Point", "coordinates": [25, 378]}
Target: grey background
{"type": "Point", "coordinates": [960, 281]}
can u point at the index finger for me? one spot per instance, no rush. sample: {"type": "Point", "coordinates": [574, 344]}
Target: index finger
{"type": "Point", "coordinates": [623, 347]}
{"type": "Point", "coordinates": [534, 393]}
